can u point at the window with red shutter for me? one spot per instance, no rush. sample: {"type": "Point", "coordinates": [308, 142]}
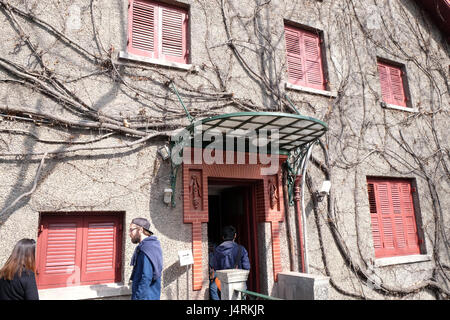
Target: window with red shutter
{"type": "Point", "coordinates": [393, 219]}
{"type": "Point", "coordinates": [157, 30]}
{"type": "Point", "coordinates": [304, 58]}
{"type": "Point", "coordinates": [391, 82]}
{"type": "Point", "coordinates": [78, 249]}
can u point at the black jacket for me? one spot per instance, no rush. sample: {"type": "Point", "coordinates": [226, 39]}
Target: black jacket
{"type": "Point", "coordinates": [19, 288]}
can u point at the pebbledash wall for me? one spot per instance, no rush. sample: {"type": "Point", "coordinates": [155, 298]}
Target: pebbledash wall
{"type": "Point", "coordinates": [130, 181]}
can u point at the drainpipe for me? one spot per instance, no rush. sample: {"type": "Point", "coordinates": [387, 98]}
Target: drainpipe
{"type": "Point", "coordinates": [301, 216]}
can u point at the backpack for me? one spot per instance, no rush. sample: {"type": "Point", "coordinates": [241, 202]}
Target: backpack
{"type": "Point", "coordinates": [236, 263]}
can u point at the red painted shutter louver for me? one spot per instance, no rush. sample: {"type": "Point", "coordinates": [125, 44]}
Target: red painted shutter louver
{"type": "Point", "coordinates": [100, 249]}
{"type": "Point", "coordinates": [304, 58]}
{"type": "Point", "coordinates": [142, 28]}
{"type": "Point", "coordinates": [78, 250]}
{"type": "Point", "coordinates": [173, 39]}
{"type": "Point", "coordinates": [398, 92]}
{"type": "Point", "coordinates": [391, 81]}
{"type": "Point", "coordinates": [313, 61]}
{"type": "Point", "coordinates": [376, 228]}
{"type": "Point", "coordinates": [158, 31]}
{"type": "Point", "coordinates": [384, 82]}
{"type": "Point", "coordinates": [294, 57]}
{"type": "Point", "coordinates": [59, 252]}
{"type": "Point", "coordinates": [393, 221]}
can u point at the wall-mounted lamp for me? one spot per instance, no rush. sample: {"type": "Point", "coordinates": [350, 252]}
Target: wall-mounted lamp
{"type": "Point", "coordinates": [164, 152]}
{"type": "Point", "coordinates": [167, 195]}
{"type": "Point", "coordinates": [326, 185]}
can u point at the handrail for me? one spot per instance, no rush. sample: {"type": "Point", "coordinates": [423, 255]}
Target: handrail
{"type": "Point", "coordinates": [255, 295]}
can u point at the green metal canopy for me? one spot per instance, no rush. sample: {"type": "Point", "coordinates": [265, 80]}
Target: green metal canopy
{"type": "Point", "coordinates": [294, 130]}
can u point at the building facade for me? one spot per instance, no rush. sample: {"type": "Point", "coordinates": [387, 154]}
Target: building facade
{"type": "Point", "coordinates": [94, 93]}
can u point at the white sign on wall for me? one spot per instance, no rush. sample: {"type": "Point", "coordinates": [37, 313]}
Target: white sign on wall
{"type": "Point", "coordinates": [185, 257]}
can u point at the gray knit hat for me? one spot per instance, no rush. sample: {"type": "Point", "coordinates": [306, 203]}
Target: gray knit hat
{"type": "Point", "coordinates": [142, 222]}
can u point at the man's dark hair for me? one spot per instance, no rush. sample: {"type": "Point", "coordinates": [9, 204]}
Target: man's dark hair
{"type": "Point", "coordinates": [228, 233]}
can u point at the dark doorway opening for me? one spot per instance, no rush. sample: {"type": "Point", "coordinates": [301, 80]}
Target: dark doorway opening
{"type": "Point", "coordinates": [233, 202]}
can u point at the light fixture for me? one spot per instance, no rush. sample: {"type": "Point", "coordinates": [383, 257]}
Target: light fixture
{"type": "Point", "coordinates": [326, 185]}
{"type": "Point", "coordinates": [167, 195]}
{"type": "Point", "coordinates": [164, 152]}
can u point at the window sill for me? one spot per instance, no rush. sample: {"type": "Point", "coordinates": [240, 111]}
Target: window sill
{"type": "Point", "coordinates": [381, 262]}
{"type": "Point", "coordinates": [393, 106]}
{"type": "Point", "coordinates": [175, 65]}
{"type": "Point", "coordinates": [325, 93]}
{"type": "Point", "coordinates": [85, 292]}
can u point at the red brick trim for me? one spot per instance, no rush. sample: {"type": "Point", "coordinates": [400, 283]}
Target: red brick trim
{"type": "Point", "coordinates": [197, 213]}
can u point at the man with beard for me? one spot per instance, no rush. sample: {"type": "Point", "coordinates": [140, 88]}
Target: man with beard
{"type": "Point", "coordinates": [147, 262]}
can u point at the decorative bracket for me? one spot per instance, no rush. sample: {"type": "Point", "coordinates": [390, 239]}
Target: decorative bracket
{"type": "Point", "coordinates": [294, 164]}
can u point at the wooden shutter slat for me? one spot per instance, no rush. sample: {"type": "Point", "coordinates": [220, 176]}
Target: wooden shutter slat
{"type": "Point", "coordinates": [172, 46]}
{"type": "Point", "coordinates": [294, 56]}
{"type": "Point", "coordinates": [383, 194]}
{"type": "Point", "coordinates": [391, 81]}
{"type": "Point", "coordinates": [388, 233]}
{"type": "Point", "coordinates": [398, 94]}
{"type": "Point", "coordinates": [61, 247]}
{"type": "Point", "coordinates": [395, 196]}
{"type": "Point", "coordinates": [392, 218]}
{"type": "Point", "coordinates": [384, 82]}
{"type": "Point", "coordinates": [400, 232]}
{"type": "Point", "coordinates": [142, 28]}
{"type": "Point", "coordinates": [314, 74]}
{"type": "Point", "coordinates": [101, 249]}
{"type": "Point", "coordinates": [77, 250]}
{"type": "Point", "coordinates": [59, 252]}
{"type": "Point", "coordinates": [376, 234]}
{"type": "Point", "coordinates": [304, 59]}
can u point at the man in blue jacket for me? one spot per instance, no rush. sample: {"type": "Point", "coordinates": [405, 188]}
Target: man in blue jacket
{"type": "Point", "coordinates": [228, 255]}
{"type": "Point", "coordinates": [147, 262]}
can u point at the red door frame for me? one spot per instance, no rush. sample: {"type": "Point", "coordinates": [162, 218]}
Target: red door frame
{"type": "Point", "coordinates": [195, 202]}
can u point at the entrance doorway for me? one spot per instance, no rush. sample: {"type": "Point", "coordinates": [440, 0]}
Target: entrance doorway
{"type": "Point", "coordinates": [233, 202]}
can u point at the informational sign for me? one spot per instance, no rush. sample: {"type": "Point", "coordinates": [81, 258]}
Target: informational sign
{"type": "Point", "coordinates": [185, 257]}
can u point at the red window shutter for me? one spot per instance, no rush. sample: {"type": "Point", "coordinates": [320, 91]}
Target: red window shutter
{"type": "Point", "coordinates": [304, 58]}
{"type": "Point", "coordinates": [375, 219]}
{"type": "Point", "coordinates": [409, 218]}
{"type": "Point", "coordinates": [384, 82]}
{"type": "Point", "coordinates": [391, 81]}
{"type": "Point", "coordinates": [59, 252]}
{"type": "Point", "coordinates": [78, 250]}
{"type": "Point", "coordinates": [157, 31]}
{"type": "Point", "coordinates": [100, 249]}
{"type": "Point", "coordinates": [173, 34]}
{"type": "Point", "coordinates": [398, 92]}
{"type": "Point", "coordinates": [313, 61]}
{"type": "Point", "coordinates": [142, 28]}
{"type": "Point", "coordinates": [294, 56]}
{"type": "Point", "coordinates": [393, 221]}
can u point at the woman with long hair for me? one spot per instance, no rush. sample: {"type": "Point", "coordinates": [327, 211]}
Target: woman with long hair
{"type": "Point", "coordinates": [17, 277]}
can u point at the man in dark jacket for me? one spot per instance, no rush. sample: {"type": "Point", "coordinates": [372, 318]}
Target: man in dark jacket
{"type": "Point", "coordinates": [228, 255]}
{"type": "Point", "coordinates": [147, 262]}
